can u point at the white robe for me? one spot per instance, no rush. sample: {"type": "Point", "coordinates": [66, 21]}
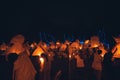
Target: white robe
{"type": "Point", "coordinates": [23, 68]}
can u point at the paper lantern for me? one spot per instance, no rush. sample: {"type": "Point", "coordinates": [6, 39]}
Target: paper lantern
{"type": "Point", "coordinates": [41, 63]}
{"type": "Point", "coordinates": [38, 51]}
{"type": "Point", "coordinates": [86, 41]}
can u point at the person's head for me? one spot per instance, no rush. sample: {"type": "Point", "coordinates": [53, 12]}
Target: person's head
{"type": "Point", "coordinates": [94, 50]}
{"type": "Point", "coordinates": [99, 51]}
{"type": "Point", "coordinates": [43, 55]}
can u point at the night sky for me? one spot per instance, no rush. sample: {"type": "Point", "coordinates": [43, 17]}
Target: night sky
{"type": "Point", "coordinates": [84, 17]}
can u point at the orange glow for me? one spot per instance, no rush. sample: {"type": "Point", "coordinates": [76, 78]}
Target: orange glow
{"type": "Point", "coordinates": [41, 60]}
{"type": "Point", "coordinates": [102, 55]}
{"type": "Point", "coordinates": [117, 39]}
{"type": "Point", "coordinates": [32, 45]}
{"type": "Point", "coordinates": [75, 45]}
{"type": "Point", "coordinates": [57, 42]}
{"type": "Point", "coordinates": [52, 46]}
{"type": "Point", "coordinates": [63, 47]}
{"type": "Point", "coordinates": [42, 63]}
{"type": "Point", "coordinates": [95, 45]}
{"type": "Point", "coordinates": [86, 41]}
{"type": "Point", "coordinates": [49, 54]}
{"type": "Point", "coordinates": [37, 52]}
{"type": "Point", "coordinates": [45, 46]}
{"type": "Point", "coordinates": [101, 47]}
{"type": "Point", "coordinates": [117, 52]}
{"type": "Point", "coordinates": [80, 47]}
{"type": "Point", "coordinates": [94, 41]}
{"type": "Point", "coordinates": [16, 48]}
{"type": "Point", "coordinates": [67, 42]}
{"type": "Point", "coordinates": [70, 56]}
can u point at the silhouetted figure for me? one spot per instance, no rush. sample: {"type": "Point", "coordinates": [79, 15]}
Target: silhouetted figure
{"type": "Point", "coordinates": [107, 66]}
{"type": "Point", "coordinates": [6, 67]}
{"type": "Point", "coordinates": [88, 59]}
{"type": "Point", "coordinates": [80, 68]}
{"type": "Point", "coordinates": [36, 63]}
{"type": "Point", "coordinates": [12, 57]}
{"type": "Point", "coordinates": [97, 65]}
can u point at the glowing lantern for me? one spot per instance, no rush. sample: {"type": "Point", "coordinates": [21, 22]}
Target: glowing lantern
{"type": "Point", "coordinates": [45, 46]}
{"type": "Point", "coordinates": [86, 44]}
{"type": "Point", "coordinates": [101, 47]}
{"type": "Point", "coordinates": [95, 45]}
{"type": "Point", "coordinates": [86, 41]}
{"type": "Point", "coordinates": [41, 63]}
{"type": "Point", "coordinates": [33, 45]}
{"type": "Point", "coordinates": [80, 47]}
{"type": "Point", "coordinates": [57, 42]}
{"type": "Point", "coordinates": [70, 56]}
{"type": "Point", "coordinates": [38, 51]}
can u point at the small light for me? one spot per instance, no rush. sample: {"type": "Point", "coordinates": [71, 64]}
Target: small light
{"type": "Point", "coordinates": [42, 60]}
{"type": "Point", "coordinates": [70, 56]}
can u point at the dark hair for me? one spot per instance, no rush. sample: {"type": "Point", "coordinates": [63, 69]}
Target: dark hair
{"type": "Point", "coordinates": [99, 51]}
{"type": "Point", "coordinates": [12, 57]}
{"type": "Point", "coordinates": [44, 56]}
{"type": "Point", "coordinates": [94, 49]}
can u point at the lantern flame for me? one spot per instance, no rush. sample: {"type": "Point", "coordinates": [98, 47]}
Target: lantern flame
{"type": "Point", "coordinates": [80, 47]}
{"type": "Point", "coordinates": [95, 45]}
{"type": "Point", "coordinates": [37, 52]}
{"type": "Point", "coordinates": [86, 41]}
{"type": "Point", "coordinates": [70, 56]}
{"type": "Point", "coordinates": [41, 63]}
{"type": "Point", "coordinates": [42, 60]}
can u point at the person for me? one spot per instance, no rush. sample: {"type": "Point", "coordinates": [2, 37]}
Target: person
{"type": "Point", "coordinates": [12, 57]}
{"type": "Point", "coordinates": [80, 68]}
{"type": "Point", "coordinates": [107, 66]}
{"type": "Point", "coordinates": [23, 68]}
{"type": "Point", "coordinates": [97, 65]}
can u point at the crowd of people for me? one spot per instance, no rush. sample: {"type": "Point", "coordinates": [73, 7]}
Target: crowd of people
{"type": "Point", "coordinates": [91, 60]}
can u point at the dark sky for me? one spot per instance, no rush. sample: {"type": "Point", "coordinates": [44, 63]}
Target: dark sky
{"type": "Point", "coordinates": [58, 17]}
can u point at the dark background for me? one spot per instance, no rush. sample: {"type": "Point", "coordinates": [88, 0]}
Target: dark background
{"type": "Point", "coordinates": [80, 18]}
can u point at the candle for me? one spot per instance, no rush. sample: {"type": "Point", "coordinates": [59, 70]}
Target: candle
{"type": "Point", "coordinates": [41, 63]}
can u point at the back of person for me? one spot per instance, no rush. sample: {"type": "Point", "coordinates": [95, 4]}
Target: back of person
{"type": "Point", "coordinates": [23, 68]}
{"type": "Point", "coordinates": [80, 61]}
{"type": "Point", "coordinates": [97, 65]}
